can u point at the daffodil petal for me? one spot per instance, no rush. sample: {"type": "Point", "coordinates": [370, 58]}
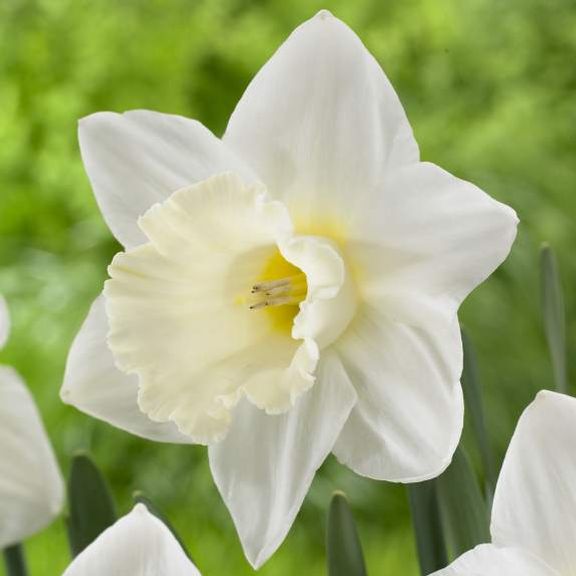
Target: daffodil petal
{"type": "Point", "coordinates": [140, 157]}
{"type": "Point", "coordinates": [535, 500]}
{"type": "Point", "coordinates": [408, 419]}
{"type": "Point", "coordinates": [31, 487]}
{"type": "Point", "coordinates": [321, 123]}
{"type": "Point", "coordinates": [138, 544]}
{"type": "Point", "coordinates": [180, 314]}
{"type": "Point", "coordinates": [488, 560]}
{"type": "Point", "coordinates": [94, 385]}
{"type": "Point", "coordinates": [264, 467]}
{"type": "Point", "coordinates": [432, 234]}
{"type": "Point", "coordinates": [4, 322]}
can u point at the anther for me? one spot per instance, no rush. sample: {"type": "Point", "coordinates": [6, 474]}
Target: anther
{"type": "Point", "coordinates": [271, 284]}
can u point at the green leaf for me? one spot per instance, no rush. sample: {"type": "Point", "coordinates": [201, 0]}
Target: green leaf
{"type": "Point", "coordinates": [92, 508]}
{"type": "Point", "coordinates": [428, 529]}
{"type": "Point", "coordinates": [475, 410]}
{"type": "Point", "coordinates": [464, 511]}
{"type": "Point", "coordinates": [141, 498]}
{"type": "Point", "coordinates": [554, 315]}
{"type": "Point", "coordinates": [344, 552]}
{"type": "Point", "coordinates": [15, 561]}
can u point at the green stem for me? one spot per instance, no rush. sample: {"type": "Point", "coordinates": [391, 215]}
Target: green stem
{"type": "Point", "coordinates": [15, 561]}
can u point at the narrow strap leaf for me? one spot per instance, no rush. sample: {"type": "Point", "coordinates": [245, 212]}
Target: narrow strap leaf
{"type": "Point", "coordinates": [463, 509]}
{"type": "Point", "coordinates": [15, 561]}
{"type": "Point", "coordinates": [427, 526]}
{"type": "Point", "coordinates": [92, 508]}
{"type": "Point", "coordinates": [344, 551]}
{"type": "Point", "coordinates": [474, 408]}
{"type": "Point", "coordinates": [554, 315]}
{"type": "Point", "coordinates": [141, 498]}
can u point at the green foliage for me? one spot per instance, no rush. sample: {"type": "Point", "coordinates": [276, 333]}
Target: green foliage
{"type": "Point", "coordinates": [428, 529]}
{"type": "Point", "coordinates": [463, 508]}
{"type": "Point", "coordinates": [553, 314]}
{"type": "Point", "coordinates": [475, 414]}
{"type": "Point", "coordinates": [92, 508]}
{"type": "Point", "coordinates": [15, 561]}
{"type": "Point", "coordinates": [488, 87]}
{"type": "Point", "coordinates": [343, 548]}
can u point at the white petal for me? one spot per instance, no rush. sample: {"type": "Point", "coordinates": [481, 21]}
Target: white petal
{"type": "Point", "coordinates": [266, 464]}
{"type": "Point", "coordinates": [535, 501]}
{"type": "Point", "coordinates": [433, 234]}
{"type": "Point", "coordinates": [139, 158]}
{"type": "Point", "coordinates": [408, 419]}
{"type": "Point", "coordinates": [31, 488]}
{"type": "Point", "coordinates": [4, 322]}
{"type": "Point", "coordinates": [320, 122]}
{"type": "Point", "coordinates": [136, 545]}
{"type": "Point", "coordinates": [94, 385]}
{"type": "Point", "coordinates": [488, 560]}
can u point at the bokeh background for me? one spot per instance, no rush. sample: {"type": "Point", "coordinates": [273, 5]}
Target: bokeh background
{"type": "Point", "coordinates": [489, 87]}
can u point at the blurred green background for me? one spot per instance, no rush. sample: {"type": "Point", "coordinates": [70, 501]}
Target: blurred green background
{"type": "Point", "coordinates": [489, 87]}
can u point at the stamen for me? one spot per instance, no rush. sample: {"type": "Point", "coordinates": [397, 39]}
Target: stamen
{"type": "Point", "coordinates": [270, 284]}
{"type": "Point", "coordinates": [278, 290]}
{"type": "Point", "coordinates": [281, 292]}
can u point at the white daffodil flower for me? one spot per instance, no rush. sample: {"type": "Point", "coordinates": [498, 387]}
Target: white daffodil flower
{"type": "Point", "coordinates": [288, 291]}
{"type": "Point", "coordinates": [31, 487]}
{"type": "Point", "coordinates": [534, 512]}
{"type": "Point", "coordinates": [136, 545]}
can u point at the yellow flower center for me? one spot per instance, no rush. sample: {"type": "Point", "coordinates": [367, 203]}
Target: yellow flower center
{"type": "Point", "coordinates": [279, 290]}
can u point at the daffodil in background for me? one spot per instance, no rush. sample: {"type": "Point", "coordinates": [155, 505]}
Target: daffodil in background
{"type": "Point", "coordinates": [289, 290]}
{"type": "Point", "coordinates": [138, 544]}
{"type": "Point", "coordinates": [534, 510]}
{"type": "Point", "coordinates": [31, 487]}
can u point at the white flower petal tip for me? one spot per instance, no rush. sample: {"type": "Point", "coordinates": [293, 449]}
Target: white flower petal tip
{"type": "Point", "coordinates": [4, 322]}
{"type": "Point", "coordinates": [535, 500]}
{"type": "Point", "coordinates": [291, 447]}
{"type": "Point", "coordinates": [94, 385]}
{"type": "Point", "coordinates": [321, 124]}
{"type": "Point", "coordinates": [140, 157]}
{"type": "Point", "coordinates": [138, 544]}
{"type": "Point", "coordinates": [223, 302]}
{"type": "Point", "coordinates": [488, 560]}
{"type": "Point", "coordinates": [31, 487]}
{"type": "Point", "coordinates": [324, 15]}
{"type": "Point", "coordinates": [548, 400]}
